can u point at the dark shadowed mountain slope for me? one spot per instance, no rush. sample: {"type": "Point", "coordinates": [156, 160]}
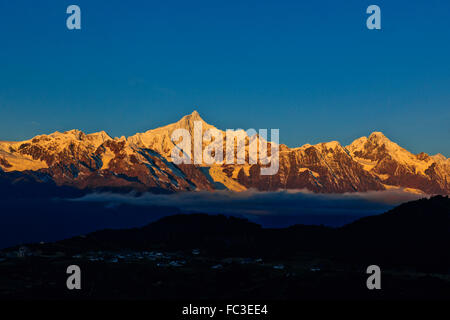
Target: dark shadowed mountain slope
{"type": "Point", "coordinates": [415, 234]}
{"type": "Point", "coordinates": [214, 257]}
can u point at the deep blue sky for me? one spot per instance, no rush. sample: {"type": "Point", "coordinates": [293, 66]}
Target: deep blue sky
{"type": "Point", "coordinates": [310, 68]}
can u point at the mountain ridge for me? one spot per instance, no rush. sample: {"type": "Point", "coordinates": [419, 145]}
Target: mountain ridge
{"type": "Point", "coordinates": [143, 161]}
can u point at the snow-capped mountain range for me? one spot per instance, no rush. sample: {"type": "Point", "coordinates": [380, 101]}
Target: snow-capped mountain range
{"type": "Point", "coordinates": [142, 162]}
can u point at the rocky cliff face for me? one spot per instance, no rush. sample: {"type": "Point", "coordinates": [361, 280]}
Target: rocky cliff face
{"type": "Point", "coordinates": [143, 162]}
{"type": "Point", "coordinates": [325, 167]}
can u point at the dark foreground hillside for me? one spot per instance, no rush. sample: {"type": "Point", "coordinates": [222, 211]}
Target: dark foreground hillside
{"type": "Point", "coordinates": [216, 257]}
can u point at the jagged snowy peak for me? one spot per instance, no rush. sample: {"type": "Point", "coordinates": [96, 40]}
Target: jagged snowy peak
{"type": "Point", "coordinates": [396, 166]}
{"type": "Point", "coordinates": [378, 145]}
{"type": "Point", "coordinates": [160, 139]}
{"type": "Point", "coordinates": [440, 158]}
{"type": "Point", "coordinates": [61, 139]}
{"type": "Point", "coordinates": [44, 150]}
{"type": "Point", "coordinates": [370, 151]}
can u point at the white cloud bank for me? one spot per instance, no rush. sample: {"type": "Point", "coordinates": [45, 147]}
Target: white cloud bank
{"type": "Point", "coordinates": [277, 209]}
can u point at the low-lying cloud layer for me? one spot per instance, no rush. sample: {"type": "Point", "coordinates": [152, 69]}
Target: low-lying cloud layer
{"type": "Point", "coordinates": [55, 219]}
{"type": "Point", "coordinates": [271, 209]}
